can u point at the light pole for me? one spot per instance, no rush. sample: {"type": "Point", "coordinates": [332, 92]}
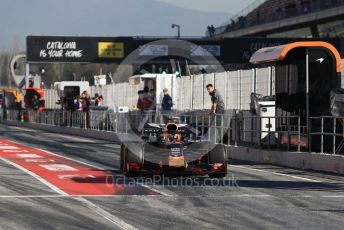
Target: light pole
{"type": "Point", "coordinates": [178, 27]}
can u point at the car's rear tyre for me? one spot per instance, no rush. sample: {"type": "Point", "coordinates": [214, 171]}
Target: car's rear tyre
{"type": "Point", "coordinates": [218, 155]}
{"type": "Point", "coordinates": [131, 153]}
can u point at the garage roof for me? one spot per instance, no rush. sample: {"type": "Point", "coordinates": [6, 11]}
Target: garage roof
{"type": "Point", "coordinates": [279, 53]}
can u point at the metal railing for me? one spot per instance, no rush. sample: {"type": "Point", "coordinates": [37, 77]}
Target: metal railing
{"type": "Point", "coordinates": [324, 135]}
{"type": "Point", "coordinates": [94, 120]}
{"type": "Point", "coordinates": [274, 131]}
{"type": "Point", "coordinates": [327, 133]}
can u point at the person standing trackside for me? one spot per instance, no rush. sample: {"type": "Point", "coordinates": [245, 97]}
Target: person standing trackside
{"type": "Point", "coordinates": [147, 100]}
{"type": "Point", "coordinates": [86, 99]}
{"type": "Point", "coordinates": [139, 103]}
{"type": "Point", "coordinates": [77, 104]}
{"type": "Point", "coordinates": [167, 102]}
{"type": "Point", "coordinates": [218, 106]}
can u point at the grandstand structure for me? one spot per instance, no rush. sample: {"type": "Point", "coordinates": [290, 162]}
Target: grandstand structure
{"type": "Point", "coordinates": [286, 18]}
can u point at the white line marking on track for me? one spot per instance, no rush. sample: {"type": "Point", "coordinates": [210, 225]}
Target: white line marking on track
{"type": "Point", "coordinates": [278, 174]}
{"type": "Point", "coordinates": [191, 196]}
{"type": "Point", "coordinates": [110, 217]}
{"type": "Point", "coordinates": [80, 139]}
{"type": "Point", "coordinates": [100, 196]}
{"type": "Point", "coordinates": [34, 196]}
{"type": "Point", "coordinates": [175, 196]}
{"type": "Point", "coordinates": [14, 151]}
{"type": "Point", "coordinates": [73, 196]}
{"type": "Point", "coordinates": [28, 155]}
{"type": "Point", "coordinates": [81, 162]}
{"type": "Point", "coordinates": [58, 167]}
{"type": "Point", "coordinates": [39, 160]}
{"type": "Point", "coordinates": [333, 196]}
{"type": "Point", "coordinates": [249, 195]}
{"type": "Point", "coordinates": [74, 160]}
{"type": "Point", "coordinates": [113, 219]}
{"type": "Point", "coordinates": [6, 147]}
{"type": "Point", "coordinates": [99, 168]}
{"type": "Point", "coordinates": [67, 158]}
{"type": "Point", "coordinates": [96, 167]}
{"type": "Point", "coordinates": [24, 129]}
{"type": "Point", "coordinates": [51, 186]}
{"type": "Point", "coordinates": [154, 190]}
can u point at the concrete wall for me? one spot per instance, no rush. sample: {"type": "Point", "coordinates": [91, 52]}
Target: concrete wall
{"type": "Point", "coordinates": [189, 92]}
{"type": "Point", "coordinates": [303, 160]}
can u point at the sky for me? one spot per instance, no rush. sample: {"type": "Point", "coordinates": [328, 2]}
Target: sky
{"type": "Point", "coordinates": [20, 18]}
{"type": "Point", "coordinates": [225, 6]}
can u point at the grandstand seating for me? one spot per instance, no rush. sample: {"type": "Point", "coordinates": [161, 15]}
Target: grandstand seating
{"type": "Point", "coordinates": [275, 10]}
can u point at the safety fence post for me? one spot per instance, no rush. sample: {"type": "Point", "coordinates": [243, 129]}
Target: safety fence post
{"type": "Point", "coordinates": [309, 135]}
{"type": "Point", "coordinates": [299, 134]}
{"type": "Point", "coordinates": [215, 129]}
{"type": "Point", "coordinates": [222, 128]}
{"type": "Point", "coordinates": [229, 130]}
{"type": "Point", "coordinates": [322, 135]}
{"type": "Point", "coordinates": [334, 135]}
{"type": "Point", "coordinates": [235, 130]}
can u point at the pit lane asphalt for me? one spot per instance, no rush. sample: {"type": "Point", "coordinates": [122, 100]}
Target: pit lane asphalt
{"type": "Point", "coordinates": [251, 196]}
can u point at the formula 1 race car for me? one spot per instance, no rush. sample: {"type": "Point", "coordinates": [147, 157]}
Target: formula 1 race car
{"type": "Point", "coordinates": [173, 148]}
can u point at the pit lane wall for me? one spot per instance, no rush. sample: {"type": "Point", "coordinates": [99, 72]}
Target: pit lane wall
{"type": "Point", "coordinates": [300, 160]}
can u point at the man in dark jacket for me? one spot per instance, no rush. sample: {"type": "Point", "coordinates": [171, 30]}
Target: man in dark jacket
{"type": "Point", "coordinates": [167, 102]}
